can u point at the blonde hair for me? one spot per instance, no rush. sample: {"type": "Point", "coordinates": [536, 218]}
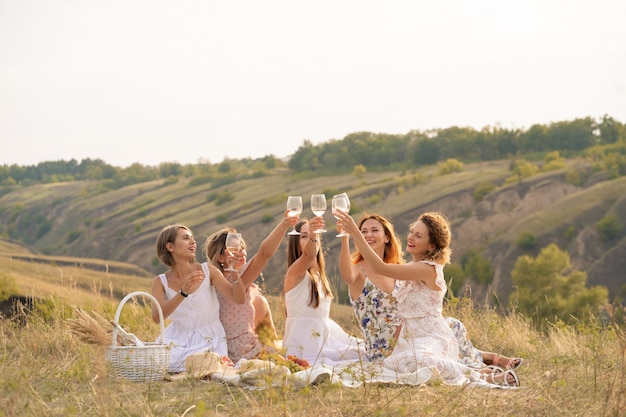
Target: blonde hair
{"type": "Point", "coordinates": [215, 245]}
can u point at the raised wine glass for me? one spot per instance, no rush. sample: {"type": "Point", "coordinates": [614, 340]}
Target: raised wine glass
{"type": "Point", "coordinates": [340, 202]}
{"type": "Point", "coordinates": [294, 205]}
{"type": "Point", "coordinates": [318, 207]}
{"type": "Point", "coordinates": [233, 245]}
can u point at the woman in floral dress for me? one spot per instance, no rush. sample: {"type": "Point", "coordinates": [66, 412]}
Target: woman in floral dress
{"type": "Point", "coordinates": [370, 293]}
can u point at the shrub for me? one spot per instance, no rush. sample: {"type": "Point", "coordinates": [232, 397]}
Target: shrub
{"type": "Point", "coordinates": [482, 190]}
{"type": "Point", "coordinates": [359, 171]}
{"type": "Point", "coordinates": [455, 277]}
{"type": "Point", "coordinates": [549, 289]}
{"type": "Point", "coordinates": [609, 227]}
{"type": "Point", "coordinates": [526, 240]}
{"type": "Point", "coordinates": [8, 286]}
{"type": "Point", "coordinates": [450, 166]}
{"type": "Point", "coordinates": [224, 197]}
{"type": "Point", "coordinates": [73, 235]}
{"type": "Point", "coordinates": [172, 179]}
{"type": "Point", "coordinates": [478, 267]}
{"type": "Point", "coordinates": [523, 168]}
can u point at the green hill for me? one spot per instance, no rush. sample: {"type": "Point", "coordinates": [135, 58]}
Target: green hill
{"type": "Point", "coordinates": [78, 219]}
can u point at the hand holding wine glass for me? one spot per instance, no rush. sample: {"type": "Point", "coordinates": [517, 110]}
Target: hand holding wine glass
{"type": "Point", "coordinates": [294, 205]}
{"type": "Point", "coordinates": [233, 245]}
{"type": "Point", "coordinates": [318, 207]}
{"type": "Point", "coordinates": [340, 202]}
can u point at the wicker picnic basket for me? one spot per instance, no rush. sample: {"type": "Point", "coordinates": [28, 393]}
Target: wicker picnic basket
{"type": "Point", "coordinates": [138, 363]}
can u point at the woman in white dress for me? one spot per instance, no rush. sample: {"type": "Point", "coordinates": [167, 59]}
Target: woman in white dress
{"type": "Point", "coordinates": [376, 310]}
{"type": "Point", "coordinates": [187, 295]}
{"type": "Point", "coordinates": [425, 340]}
{"type": "Point", "coordinates": [309, 332]}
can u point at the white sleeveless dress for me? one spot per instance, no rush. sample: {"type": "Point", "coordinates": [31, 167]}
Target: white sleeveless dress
{"type": "Point", "coordinates": [310, 333]}
{"type": "Point", "coordinates": [195, 324]}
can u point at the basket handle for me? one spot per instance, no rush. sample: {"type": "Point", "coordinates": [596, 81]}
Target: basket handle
{"type": "Point", "coordinates": [128, 297]}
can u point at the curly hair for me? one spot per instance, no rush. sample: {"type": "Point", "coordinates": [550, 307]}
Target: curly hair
{"type": "Point", "coordinates": [439, 234]}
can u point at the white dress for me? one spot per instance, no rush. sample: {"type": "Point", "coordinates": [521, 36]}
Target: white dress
{"type": "Point", "coordinates": [426, 340]}
{"type": "Point", "coordinates": [195, 324]}
{"type": "Point", "coordinates": [310, 333]}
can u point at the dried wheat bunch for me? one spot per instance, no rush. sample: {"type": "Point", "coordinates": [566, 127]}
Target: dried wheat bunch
{"type": "Point", "coordinates": [90, 330]}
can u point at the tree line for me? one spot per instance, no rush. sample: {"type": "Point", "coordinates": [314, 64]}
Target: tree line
{"type": "Point", "coordinates": [376, 151]}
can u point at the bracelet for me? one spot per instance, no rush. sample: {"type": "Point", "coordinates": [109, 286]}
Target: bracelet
{"type": "Point", "coordinates": [183, 293]}
{"type": "Point", "coordinates": [235, 282]}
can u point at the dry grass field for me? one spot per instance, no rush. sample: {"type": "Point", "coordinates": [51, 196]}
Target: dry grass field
{"type": "Point", "coordinates": [45, 370]}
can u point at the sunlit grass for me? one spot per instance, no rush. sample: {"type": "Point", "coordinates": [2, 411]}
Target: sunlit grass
{"type": "Point", "coordinates": [46, 371]}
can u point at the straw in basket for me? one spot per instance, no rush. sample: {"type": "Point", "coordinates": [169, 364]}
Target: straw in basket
{"type": "Point", "coordinates": [138, 363]}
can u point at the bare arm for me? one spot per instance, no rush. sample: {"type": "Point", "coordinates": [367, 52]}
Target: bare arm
{"type": "Point", "coordinates": [350, 274]}
{"type": "Point", "coordinates": [190, 285]}
{"type": "Point", "coordinates": [263, 314]}
{"type": "Point", "coordinates": [414, 271]}
{"type": "Point", "coordinates": [167, 307]}
{"type": "Point", "coordinates": [268, 248]}
{"type": "Point", "coordinates": [235, 292]}
{"type": "Point", "coordinates": [297, 271]}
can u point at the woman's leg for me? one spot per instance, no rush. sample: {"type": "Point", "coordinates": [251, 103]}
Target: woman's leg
{"type": "Point", "coordinates": [504, 362]}
{"type": "Point", "coordinates": [468, 354]}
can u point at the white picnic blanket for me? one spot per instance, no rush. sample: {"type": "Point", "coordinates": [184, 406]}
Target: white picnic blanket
{"type": "Point", "coordinates": [258, 374]}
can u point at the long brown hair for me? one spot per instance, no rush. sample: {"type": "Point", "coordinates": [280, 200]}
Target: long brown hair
{"type": "Point", "coordinates": [393, 249]}
{"type": "Point", "coordinates": [294, 251]}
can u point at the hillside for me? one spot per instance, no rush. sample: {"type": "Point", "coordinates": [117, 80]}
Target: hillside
{"type": "Point", "coordinates": [77, 219]}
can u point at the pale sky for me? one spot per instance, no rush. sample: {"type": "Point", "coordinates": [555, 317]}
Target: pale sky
{"type": "Point", "coordinates": [154, 81]}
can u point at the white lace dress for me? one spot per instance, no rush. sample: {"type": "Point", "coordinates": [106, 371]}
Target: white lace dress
{"type": "Point", "coordinates": [426, 340]}
{"type": "Point", "coordinates": [195, 324]}
{"type": "Point", "coordinates": [310, 333]}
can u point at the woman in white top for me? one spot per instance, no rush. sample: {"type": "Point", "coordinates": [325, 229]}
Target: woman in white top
{"type": "Point", "coordinates": [309, 332]}
{"type": "Point", "coordinates": [187, 295]}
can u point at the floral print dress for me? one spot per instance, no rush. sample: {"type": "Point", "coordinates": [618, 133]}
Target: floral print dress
{"type": "Point", "coordinates": [377, 315]}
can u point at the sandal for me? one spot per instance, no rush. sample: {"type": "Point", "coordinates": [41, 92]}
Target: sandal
{"type": "Point", "coordinates": [491, 377]}
{"type": "Point", "coordinates": [515, 383]}
{"type": "Point", "coordinates": [495, 368]}
{"type": "Point", "coordinates": [512, 363]}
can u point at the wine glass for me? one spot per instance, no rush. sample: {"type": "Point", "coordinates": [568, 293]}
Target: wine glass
{"type": "Point", "coordinates": [233, 245]}
{"type": "Point", "coordinates": [340, 202]}
{"type": "Point", "coordinates": [294, 205]}
{"type": "Point", "coordinates": [318, 207]}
